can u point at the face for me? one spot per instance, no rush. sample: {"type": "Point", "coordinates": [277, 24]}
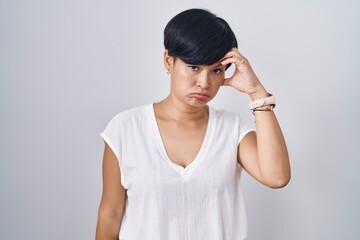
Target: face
{"type": "Point", "coordinates": [195, 85]}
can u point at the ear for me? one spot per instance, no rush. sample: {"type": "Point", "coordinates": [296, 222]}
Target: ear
{"type": "Point", "coordinates": [168, 60]}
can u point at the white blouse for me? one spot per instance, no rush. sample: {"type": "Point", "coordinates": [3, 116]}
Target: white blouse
{"type": "Point", "coordinates": [168, 202]}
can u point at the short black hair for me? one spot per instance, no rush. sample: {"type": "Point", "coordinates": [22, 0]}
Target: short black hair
{"type": "Point", "coordinates": [197, 36]}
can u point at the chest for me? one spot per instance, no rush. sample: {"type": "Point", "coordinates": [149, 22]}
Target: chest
{"type": "Point", "coordinates": [204, 152]}
{"type": "Point", "coordinates": [182, 143]}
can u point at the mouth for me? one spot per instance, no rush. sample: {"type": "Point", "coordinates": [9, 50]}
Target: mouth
{"type": "Point", "coordinates": [201, 96]}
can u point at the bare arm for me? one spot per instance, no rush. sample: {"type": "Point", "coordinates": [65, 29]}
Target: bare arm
{"type": "Point", "coordinates": [112, 205]}
{"type": "Point", "coordinates": [264, 154]}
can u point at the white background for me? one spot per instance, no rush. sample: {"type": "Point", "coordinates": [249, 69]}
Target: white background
{"type": "Point", "coordinates": [67, 67]}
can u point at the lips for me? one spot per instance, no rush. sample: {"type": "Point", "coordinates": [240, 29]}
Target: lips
{"type": "Point", "coordinates": [201, 96]}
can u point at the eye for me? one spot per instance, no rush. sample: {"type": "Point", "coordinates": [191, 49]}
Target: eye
{"type": "Point", "coordinates": [217, 71]}
{"type": "Point", "coordinates": [195, 68]}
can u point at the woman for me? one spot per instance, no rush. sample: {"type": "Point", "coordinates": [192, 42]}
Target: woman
{"type": "Point", "coordinates": [171, 170]}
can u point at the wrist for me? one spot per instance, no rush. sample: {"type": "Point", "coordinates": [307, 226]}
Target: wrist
{"type": "Point", "coordinates": [261, 93]}
{"type": "Point", "coordinates": [259, 102]}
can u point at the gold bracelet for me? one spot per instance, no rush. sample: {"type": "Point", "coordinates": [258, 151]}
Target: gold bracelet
{"type": "Point", "coordinates": [272, 106]}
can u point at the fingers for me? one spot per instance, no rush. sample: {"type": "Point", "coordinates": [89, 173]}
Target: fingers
{"type": "Point", "coordinates": [240, 55]}
{"type": "Point", "coordinates": [233, 52]}
{"type": "Point", "coordinates": [227, 81]}
{"type": "Point", "coordinates": [233, 56]}
{"type": "Point", "coordinates": [236, 61]}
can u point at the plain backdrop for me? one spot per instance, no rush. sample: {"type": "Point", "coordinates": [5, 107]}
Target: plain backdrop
{"type": "Point", "coordinates": [67, 67]}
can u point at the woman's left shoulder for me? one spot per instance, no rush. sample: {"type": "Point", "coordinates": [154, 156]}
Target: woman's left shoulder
{"type": "Point", "coordinates": [223, 113]}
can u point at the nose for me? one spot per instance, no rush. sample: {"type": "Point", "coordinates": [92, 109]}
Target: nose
{"type": "Point", "coordinates": [204, 81]}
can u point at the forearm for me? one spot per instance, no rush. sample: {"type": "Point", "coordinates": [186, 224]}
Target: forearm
{"type": "Point", "coordinates": [107, 228]}
{"type": "Point", "coordinates": [273, 159]}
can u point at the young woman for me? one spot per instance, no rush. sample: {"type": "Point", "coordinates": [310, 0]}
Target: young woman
{"type": "Point", "coordinates": [171, 169]}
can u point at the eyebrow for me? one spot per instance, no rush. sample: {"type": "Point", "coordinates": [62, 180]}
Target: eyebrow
{"type": "Point", "coordinates": [218, 65]}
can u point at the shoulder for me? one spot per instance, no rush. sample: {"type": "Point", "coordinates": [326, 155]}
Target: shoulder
{"type": "Point", "coordinates": [232, 118]}
{"type": "Point", "coordinates": [224, 114]}
{"type": "Point", "coordinates": [130, 114]}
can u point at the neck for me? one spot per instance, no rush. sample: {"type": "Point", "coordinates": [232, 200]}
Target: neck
{"type": "Point", "coordinates": [182, 112]}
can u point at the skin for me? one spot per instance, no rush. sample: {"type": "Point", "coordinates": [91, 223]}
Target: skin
{"type": "Point", "coordinates": [112, 204]}
{"type": "Point", "coordinates": [262, 154]}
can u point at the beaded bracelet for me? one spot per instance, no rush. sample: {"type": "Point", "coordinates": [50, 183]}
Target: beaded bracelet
{"type": "Point", "coordinates": [270, 99]}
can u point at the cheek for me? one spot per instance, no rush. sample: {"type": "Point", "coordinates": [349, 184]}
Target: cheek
{"type": "Point", "coordinates": [218, 81]}
{"type": "Point", "coordinates": [182, 76]}
{"type": "Point", "coordinates": [182, 83]}
{"type": "Point", "coordinates": [185, 80]}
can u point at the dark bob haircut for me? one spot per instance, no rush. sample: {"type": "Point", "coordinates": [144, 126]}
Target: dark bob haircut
{"type": "Point", "coordinates": [198, 37]}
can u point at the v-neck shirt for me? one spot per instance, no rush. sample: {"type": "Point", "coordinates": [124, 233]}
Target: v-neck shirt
{"type": "Point", "coordinates": [166, 201]}
{"type": "Point", "coordinates": [198, 158]}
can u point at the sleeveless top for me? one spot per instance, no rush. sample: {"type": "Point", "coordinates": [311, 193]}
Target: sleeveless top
{"type": "Point", "coordinates": [168, 202]}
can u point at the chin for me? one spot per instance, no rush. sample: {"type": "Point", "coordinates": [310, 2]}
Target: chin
{"type": "Point", "coordinates": [197, 103]}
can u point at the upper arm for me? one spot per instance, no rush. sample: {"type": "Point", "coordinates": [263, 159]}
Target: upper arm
{"type": "Point", "coordinates": [247, 155]}
{"type": "Point", "coordinates": [114, 194]}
